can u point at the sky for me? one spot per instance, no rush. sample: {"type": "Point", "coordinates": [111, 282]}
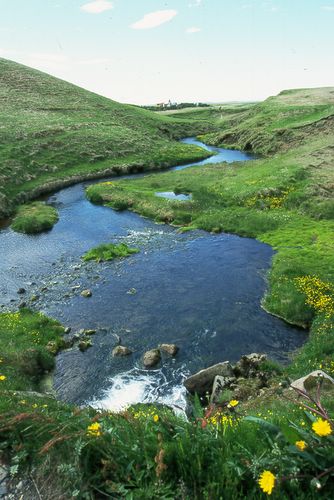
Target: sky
{"type": "Point", "coordinates": [150, 51]}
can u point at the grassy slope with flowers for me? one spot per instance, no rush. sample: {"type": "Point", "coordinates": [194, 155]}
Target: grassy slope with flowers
{"type": "Point", "coordinates": [272, 445]}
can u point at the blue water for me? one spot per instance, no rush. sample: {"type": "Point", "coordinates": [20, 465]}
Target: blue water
{"type": "Point", "coordinates": [170, 195]}
{"type": "Point", "coordinates": [200, 291]}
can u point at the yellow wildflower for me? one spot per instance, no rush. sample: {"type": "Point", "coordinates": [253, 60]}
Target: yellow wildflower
{"type": "Point", "coordinates": [94, 429]}
{"type": "Point", "coordinates": [322, 427]}
{"type": "Point", "coordinates": [3, 377]}
{"type": "Point", "coordinates": [233, 403]}
{"type": "Point", "coordinates": [156, 418]}
{"type": "Point", "coordinates": [267, 481]}
{"type": "Point", "coordinates": [301, 445]}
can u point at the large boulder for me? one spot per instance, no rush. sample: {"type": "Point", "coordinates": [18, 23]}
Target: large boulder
{"type": "Point", "coordinates": [220, 384]}
{"type": "Point", "coordinates": [121, 350]}
{"type": "Point", "coordinates": [249, 364]}
{"type": "Point", "coordinates": [151, 358]}
{"type": "Point", "coordinates": [311, 380]}
{"type": "Point", "coordinates": [171, 349]}
{"type": "Point", "coordinates": [202, 381]}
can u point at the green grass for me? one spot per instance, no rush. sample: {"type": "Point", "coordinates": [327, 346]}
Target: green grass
{"type": "Point", "coordinates": [34, 218]}
{"type": "Point", "coordinates": [29, 342]}
{"type": "Point", "coordinates": [109, 251]}
{"type": "Point", "coordinates": [58, 133]}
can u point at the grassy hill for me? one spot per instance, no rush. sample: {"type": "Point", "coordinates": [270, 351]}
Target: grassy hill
{"type": "Point", "coordinates": [51, 130]}
{"type": "Point", "coordinates": [278, 123]}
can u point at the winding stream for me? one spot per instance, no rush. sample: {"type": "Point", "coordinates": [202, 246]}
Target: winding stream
{"type": "Point", "coordinates": [197, 290]}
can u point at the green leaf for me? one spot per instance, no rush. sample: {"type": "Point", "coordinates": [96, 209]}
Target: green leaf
{"type": "Point", "coordinates": [263, 423]}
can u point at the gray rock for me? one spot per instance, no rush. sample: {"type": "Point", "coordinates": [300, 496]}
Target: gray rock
{"type": "Point", "coordinates": [171, 349]}
{"type": "Point", "coordinates": [249, 364]}
{"type": "Point", "coordinates": [21, 291]}
{"type": "Point", "coordinates": [151, 358]}
{"type": "Point", "coordinates": [67, 330]}
{"type": "Point", "coordinates": [89, 332]}
{"type": "Point", "coordinates": [22, 305]}
{"type": "Point", "coordinates": [310, 381]}
{"type": "Point", "coordinates": [121, 350]}
{"type": "Point", "coordinates": [84, 345]}
{"type": "Point", "coordinates": [86, 293]}
{"type": "Point", "coordinates": [202, 381]}
{"type": "Point", "coordinates": [219, 386]}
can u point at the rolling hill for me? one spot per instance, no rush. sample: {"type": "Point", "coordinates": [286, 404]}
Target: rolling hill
{"type": "Point", "coordinates": [53, 132]}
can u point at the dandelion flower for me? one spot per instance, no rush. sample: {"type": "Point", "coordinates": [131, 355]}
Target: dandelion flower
{"type": "Point", "coordinates": [233, 403]}
{"type": "Point", "coordinates": [267, 481]}
{"type": "Point", "coordinates": [156, 418]}
{"type": "Point", "coordinates": [301, 445]}
{"type": "Point", "coordinates": [322, 427]}
{"type": "Point", "coordinates": [3, 377]}
{"type": "Point", "coordinates": [94, 429]}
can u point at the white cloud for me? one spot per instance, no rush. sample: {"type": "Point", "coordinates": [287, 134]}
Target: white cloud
{"type": "Point", "coordinates": [97, 6]}
{"type": "Point", "coordinates": [195, 3]}
{"type": "Point", "coordinates": [193, 29]}
{"type": "Point", "coordinates": [154, 19]}
{"type": "Point", "coordinates": [328, 7]}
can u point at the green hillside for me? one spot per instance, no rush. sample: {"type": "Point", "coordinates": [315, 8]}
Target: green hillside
{"type": "Point", "coordinates": [51, 130]}
{"type": "Point", "coordinates": [278, 123]}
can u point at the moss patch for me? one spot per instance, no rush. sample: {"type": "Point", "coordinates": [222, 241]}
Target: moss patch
{"type": "Point", "coordinates": [109, 251]}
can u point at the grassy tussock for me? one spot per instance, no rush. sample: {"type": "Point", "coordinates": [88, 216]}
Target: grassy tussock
{"type": "Point", "coordinates": [34, 218]}
{"type": "Point", "coordinates": [109, 251]}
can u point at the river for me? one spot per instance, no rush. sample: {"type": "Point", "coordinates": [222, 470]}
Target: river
{"type": "Point", "coordinates": [198, 290]}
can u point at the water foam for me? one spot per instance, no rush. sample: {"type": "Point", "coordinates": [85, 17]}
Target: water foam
{"type": "Point", "coordinates": [141, 386]}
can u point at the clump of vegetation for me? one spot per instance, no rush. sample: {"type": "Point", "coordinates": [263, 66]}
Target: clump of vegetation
{"type": "Point", "coordinates": [284, 449]}
{"type": "Point", "coordinates": [29, 342]}
{"type": "Point", "coordinates": [34, 218]}
{"type": "Point", "coordinates": [109, 251]}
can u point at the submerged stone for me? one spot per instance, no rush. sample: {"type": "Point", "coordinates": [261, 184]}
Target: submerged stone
{"type": "Point", "coordinates": [121, 350]}
{"type": "Point", "coordinates": [171, 349]}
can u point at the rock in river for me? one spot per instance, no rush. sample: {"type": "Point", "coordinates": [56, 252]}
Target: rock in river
{"type": "Point", "coordinates": [86, 293]}
{"type": "Point", "coordinates": [202, 381]}
{"type": "Point", "coordinates": [151, 358]}
{"type": "Point", "coordinates": [121, 350]}
{"type": "Point", "coordinates": [171, 349]}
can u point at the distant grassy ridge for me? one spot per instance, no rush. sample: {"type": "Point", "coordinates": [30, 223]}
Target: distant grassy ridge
{"type": "Point", "coordinates": [279, 123]}
{"type": "Point", "coordinates": [55, 132]}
